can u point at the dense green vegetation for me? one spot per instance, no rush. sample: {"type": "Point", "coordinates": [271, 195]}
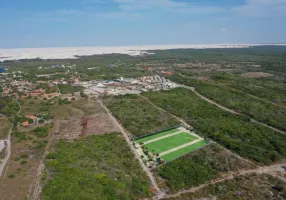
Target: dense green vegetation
{"type": "Point", "coordinates": [138, 115]}
{"type": "Point", "coordinates": [65, 88]}
{"type": "Point", "coordinates": [198, 167]}
{"type": "Point", "coordinates": [8, 106]}
{"type": "Point", "coordinates": [236, 133]}
{"type": "Point", "coordinates": [96, 167]}
{"type": "Point", "coordinates": [240, 101]}
{"type": "Point", "coordinates": [274, 91]}
{"type": "Point", "coordinates": [255, 187]}
{"type": "Point", "coordinates": [41, 131]}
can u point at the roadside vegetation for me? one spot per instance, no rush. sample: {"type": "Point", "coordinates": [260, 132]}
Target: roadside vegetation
{"type": "Point", "coordinates": [199, 167]}
{"type": "Point", "coordinates": [256, 187]}
{"type": "Point", "coordinates": [5, 125]}
{"type": "Point", "coordinates": [138, 115]}
{"type": "Point", "coordinates": [240, 101]}
{"type": "Point", "coordinates": [96, 167]}
{"type": "Point", "coordinates": [236, 133]}
{"type": "Point", "coordinates": [270, 89]}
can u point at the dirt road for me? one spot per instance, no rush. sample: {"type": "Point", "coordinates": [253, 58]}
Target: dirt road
{"type": "Point", "coordinates": [272, 170]}
{"type": "Point", "coordinates": [229, 110]}
{"type": "Point", "coordinates": [159, 194]}
{"type": "Point", "coordinates": [36, 188]}
{"type": "Point", "coordinates": [8, 141]}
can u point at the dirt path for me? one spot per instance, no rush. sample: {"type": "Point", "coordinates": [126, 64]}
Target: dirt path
{"type": "Point", "coordinates": [36, 188]}
{"type": "Point", "coordinates": [229, 110]}
{"type": "Point", "coordinates": [159, 194]}
{"type": "Point", "coordinates": [272, 170]}
{"type": "Point", "coordinates": [9, 146]}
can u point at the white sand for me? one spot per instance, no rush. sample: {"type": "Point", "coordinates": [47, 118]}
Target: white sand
{"type": "Point", "coordinates": [71, 52]}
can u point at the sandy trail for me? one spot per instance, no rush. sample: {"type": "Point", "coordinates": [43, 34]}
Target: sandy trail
{"type": "Point", "coordinates": [230, 110]}
{"type": "Point", "coordinates": [9, 146]}
{"type": "Point", "coordinates": [159, 194]}
{"type": "Point", "coordinates": [272, 170]}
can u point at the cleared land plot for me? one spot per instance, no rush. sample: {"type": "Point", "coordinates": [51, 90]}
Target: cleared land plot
{"type": "Point", "coordinates": [170, 142]}
{"type": "Point", "coordinates": [180, 152]}
{"type": "Point", "coordinates": [138, 115]}
{"type": "Point", "coordinates": [97, 125]}
{"type": "Point", "coordinates": [151, 137]}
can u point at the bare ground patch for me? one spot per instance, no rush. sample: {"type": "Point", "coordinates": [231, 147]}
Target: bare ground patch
{"type": "Point", "coordinates": [20, 170]}
{"type": "Point", "coordinates": [256, 75]}
{"type": "Point", "coordinates": [97, 124]}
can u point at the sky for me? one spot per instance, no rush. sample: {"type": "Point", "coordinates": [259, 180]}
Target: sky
{"type": "Point", "coordinates": [71, 23]}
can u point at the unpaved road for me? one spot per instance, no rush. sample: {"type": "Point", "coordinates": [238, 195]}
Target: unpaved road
{"type": "Point", "coordinates": [159, 194]}
{"type": "Point", "coordinates": [230, 110]}
{"type": "Point", "coordinates": [8, 141]}
{"type": "Point", "coordinates": [36, 188]}
{"type": "Point", "coordinates": [272, 170]}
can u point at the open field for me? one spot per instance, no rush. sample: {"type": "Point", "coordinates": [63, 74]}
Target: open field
{"type": "Point", "coordinates": [234, 132]}
{"type": "Point", "coordinates": [139, 116]}
{"type": "Point", "coordinates": [71, 128]}
{"type": "Point", "coordinates": [102, 167]}
{"type": "Point", "coordinates": [252, 186]}
{"type": "Point", "coordinates": [199, 167]}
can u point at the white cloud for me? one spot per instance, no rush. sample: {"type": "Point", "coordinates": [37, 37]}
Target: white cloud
{"type": "Point", "coordinates": [262, 8]}
{"type": "Point", "coordinates": [167, 6]}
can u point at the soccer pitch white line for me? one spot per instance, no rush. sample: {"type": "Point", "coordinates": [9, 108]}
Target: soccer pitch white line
{"type": "Point", "coordinates": [180, 147]}
{"type": "Point", "coordinates": [163, 137]}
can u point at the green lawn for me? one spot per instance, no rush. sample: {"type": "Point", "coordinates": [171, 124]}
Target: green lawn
{"type": "Point", "coordinates": [180, 152]}
{"type": "Point", "coordinates": [157, 135]}
{"type": "Point", "coordinates": [170, 142]}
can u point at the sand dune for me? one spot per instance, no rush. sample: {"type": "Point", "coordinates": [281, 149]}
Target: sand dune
{"type": "Point", "coordinates": [72, 52]}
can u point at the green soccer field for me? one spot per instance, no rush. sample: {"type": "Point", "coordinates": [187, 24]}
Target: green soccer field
{"type": "Point", "coordinates": [170, 142]}
{"type": "Point", "coordinates": [180, 152]}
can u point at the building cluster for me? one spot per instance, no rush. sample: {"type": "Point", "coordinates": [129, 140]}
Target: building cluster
{"type": "Point", "coordinates": [127, 85]}
{"type": "Point", "coordinates": [22, 88]}
{"type": "Point", "coordinates": [58, 66]}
